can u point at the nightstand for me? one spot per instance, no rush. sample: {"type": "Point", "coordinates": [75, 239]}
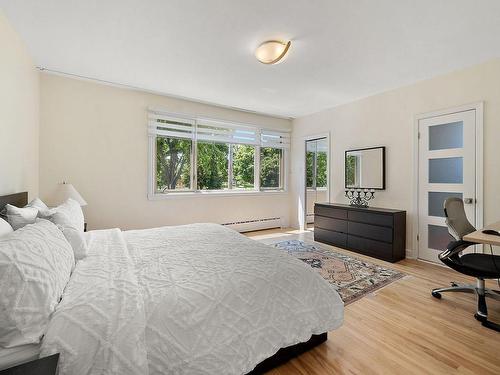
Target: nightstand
{"type": "Point", "coordinates": [41, 366]}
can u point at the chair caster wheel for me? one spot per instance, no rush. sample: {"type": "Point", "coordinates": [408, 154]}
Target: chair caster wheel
{"type": "Point", "coordinates": [480, 318]}
{"type": "Point", "coordinates": [436, 295]}
{"type": "Point", "coordinates": [454, 283]}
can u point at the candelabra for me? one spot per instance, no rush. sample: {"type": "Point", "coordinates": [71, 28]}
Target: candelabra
{"type": "Point", "coordinates": [358, 197]}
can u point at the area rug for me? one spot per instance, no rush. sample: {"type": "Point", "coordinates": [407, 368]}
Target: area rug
{"type": "Point", "coordinates": [353, 278]}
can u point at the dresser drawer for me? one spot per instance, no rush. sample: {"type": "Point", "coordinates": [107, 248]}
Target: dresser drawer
{"type": "Point", "coordinates": [371, 218]}
{"type": "Point", "coordinates": [378, 249]}
{"type": "Point", "coordinates": [329, 223]}
{"type": "Point", "coordinates": [373, 232]}
{"type": "Point", "coordinates": [330, 237]}
{"type": "Point", "coordinates": [336, 213]}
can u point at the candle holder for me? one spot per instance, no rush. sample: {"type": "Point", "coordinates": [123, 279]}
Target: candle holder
{"type": "Point", "coordinates": [358, 197]}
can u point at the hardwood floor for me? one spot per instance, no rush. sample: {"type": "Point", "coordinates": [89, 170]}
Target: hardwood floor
{"type": "Point", "coordinates": [401, 328]}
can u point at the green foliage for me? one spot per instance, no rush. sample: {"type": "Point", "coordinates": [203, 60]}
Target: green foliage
{"type": "Point", "coordinates": [173, 163]}
{"type": "Point", "coordinates": [321, 172]}
{"type": "Point", "coordinates": [270, 167]}
{"type": "Point", "coordinates": [212, 163]}
{"type": "Point", "coordinates": [318, 160]}
{"type": "Point", "coordinates": [310, 168]}
{"type": "Point", "coordinates": [243, 166]}
{"type": "Point", "coordinates": [350, 170]}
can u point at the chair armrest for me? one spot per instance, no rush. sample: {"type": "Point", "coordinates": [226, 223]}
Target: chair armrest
{"type": "Point", "coordinates": [454, 248]}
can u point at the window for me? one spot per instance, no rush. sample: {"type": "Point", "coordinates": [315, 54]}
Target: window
{"type": "Point", "coordinates": [243, 166]}
{"type": "Point", "coordinates": [198, 155]}
{"type": "Point", "coordinates": [173, 164]}
{"type": "Point", "coordinates": [271, 167]}
{"type": "Point", "coordinates": [212, 165]}
{"type": "Point", "coordinates": [316, 164]}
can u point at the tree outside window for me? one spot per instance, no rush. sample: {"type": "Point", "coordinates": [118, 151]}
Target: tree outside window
{"type": "Point", "coordinates": [173, 164]}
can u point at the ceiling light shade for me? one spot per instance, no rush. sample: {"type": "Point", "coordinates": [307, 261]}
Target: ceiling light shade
{"type": "Point", "coordinates": [272, 51]}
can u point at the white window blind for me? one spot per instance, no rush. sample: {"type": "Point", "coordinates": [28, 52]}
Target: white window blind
{"type": "Point", "coordinates": [218, 131]}
{"type": "Point", "coordinates": [169, 126]}
{"type": "Point", "coordinates": [270, 138]}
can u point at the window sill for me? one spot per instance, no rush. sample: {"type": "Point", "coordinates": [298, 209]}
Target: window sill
{"type": "Point", "coordinates": [192, 194]}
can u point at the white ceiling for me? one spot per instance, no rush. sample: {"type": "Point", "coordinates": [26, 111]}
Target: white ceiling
{"type": "Point", "coordinates": [341, 50]}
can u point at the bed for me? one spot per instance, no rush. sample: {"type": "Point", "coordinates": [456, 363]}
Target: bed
{"type": "Point", "coordinates": [191, 299]}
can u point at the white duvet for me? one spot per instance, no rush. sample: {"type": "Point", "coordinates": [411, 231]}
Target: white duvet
{"type": "Point", "coordinates": [193, 299]}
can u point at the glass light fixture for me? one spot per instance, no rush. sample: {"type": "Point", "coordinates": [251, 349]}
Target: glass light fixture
{"type": "Point", "coordinates": [272, 51]}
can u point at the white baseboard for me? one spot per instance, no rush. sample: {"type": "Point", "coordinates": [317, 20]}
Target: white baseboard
{"type": "Point", "coordinates": [257, 224]}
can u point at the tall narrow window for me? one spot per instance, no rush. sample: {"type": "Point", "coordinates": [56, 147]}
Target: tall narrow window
{"type": "Point", "coordinates": [243, 167]}
{"type": "Point", "coordinates": [271, 168]}
{"type": "Point", "coordinates": [173, 164]}
{"type": "Point", "coordinates": [212, 166]}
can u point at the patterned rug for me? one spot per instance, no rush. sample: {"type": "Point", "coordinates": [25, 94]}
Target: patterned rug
{"type": "Point", "coordinates": [353, 278]}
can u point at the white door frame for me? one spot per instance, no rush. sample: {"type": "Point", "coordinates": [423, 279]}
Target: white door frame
{"type": "Point", "coordinates": [479, 108]}
{"type": "Point", "coordinates": [302, 214]}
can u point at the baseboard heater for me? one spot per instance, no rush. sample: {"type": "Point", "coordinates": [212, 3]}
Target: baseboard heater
{"type": "Point", "coordinates": [256, 224]}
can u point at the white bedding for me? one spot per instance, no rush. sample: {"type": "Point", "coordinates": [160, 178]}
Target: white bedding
{"type": "Point", "coordinates": [194, 299]}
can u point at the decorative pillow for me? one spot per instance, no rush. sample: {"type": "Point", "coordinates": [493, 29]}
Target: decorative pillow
{"type": "Point", "coordinates": [35, 266]}
{"type": "Point", "coordinates": [72, 210]}
{"type": "Point", "coordinates": [69, 219]}
{"type": "Point", "coordinates": [38, 204]}
{"type": "Point", "coordinates": [5, 228]}
{"type": "Point", "coordinates": [19, 217]}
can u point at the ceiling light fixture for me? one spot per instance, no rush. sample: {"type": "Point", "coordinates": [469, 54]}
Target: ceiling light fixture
{"type": "Point", "coordinates": [272, 51]}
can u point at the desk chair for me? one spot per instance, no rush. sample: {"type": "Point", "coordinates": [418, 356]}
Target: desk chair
{"type": "Point", "coordinates": [481, 266]}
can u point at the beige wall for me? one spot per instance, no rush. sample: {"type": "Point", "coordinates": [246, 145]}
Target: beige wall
{"type": "Point", "coordinates": [95, 136]}
{"type": "Point", "coordinates": [19, 98]}
{"type": "Point", "coordinates": [387, 120]}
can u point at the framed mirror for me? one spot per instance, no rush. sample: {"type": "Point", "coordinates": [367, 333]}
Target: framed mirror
{"type": "Point", "coordinates": [365, 168]}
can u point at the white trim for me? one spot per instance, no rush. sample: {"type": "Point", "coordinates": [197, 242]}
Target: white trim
{"type": "Point", "coordinates": [479, 111]}
{"type": "Point", "coordinates": [302, 204]}
{"type": "Point", "coordinates": [213, 193]}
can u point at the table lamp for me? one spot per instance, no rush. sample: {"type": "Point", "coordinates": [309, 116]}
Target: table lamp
{"type": "Point", "coordinates": [65, 191]}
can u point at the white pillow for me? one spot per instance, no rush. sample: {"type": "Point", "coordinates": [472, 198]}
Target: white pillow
{"type": "Point", "coordinates": [69, 219]}
{"type": "Point", "coordinates": [38, 204]}
{"type": "Point", "coordinates": [5, 228]}
{"type": "Point", "coordinates": [19, 217]}
{"type": "Point", "coordinates": [35, 266]}
{"type": "Point", "coordinates": [72, 210]}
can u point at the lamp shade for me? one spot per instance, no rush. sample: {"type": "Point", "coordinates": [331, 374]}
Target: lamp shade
{"type": "Point", "coordinates": [65, 191]}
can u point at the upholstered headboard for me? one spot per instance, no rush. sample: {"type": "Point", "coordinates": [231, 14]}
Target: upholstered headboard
{"type": "Point", "coordinates": [17, 199]}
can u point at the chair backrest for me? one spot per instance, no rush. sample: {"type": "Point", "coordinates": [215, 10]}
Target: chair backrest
{"type": "Point", "coordinates": [456, 220]}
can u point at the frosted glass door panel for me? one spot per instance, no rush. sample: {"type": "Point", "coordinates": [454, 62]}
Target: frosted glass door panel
{"type": "Point", "coordinates": [445, 136]}
{"type": "Point", "coordinates": [438, 237]}
{"type": "Point", "coordinates": [436, 202]}
{"type": "Point", "coordinates": [446, 171]}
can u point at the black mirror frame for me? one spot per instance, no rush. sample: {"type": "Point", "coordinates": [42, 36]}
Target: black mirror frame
{"type": "Point", "coordinates": [383, 166]}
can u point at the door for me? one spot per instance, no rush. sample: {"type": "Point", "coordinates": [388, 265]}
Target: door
{"type": "Point", "coordinates": [316, 175]}
{"type": "Point", "coordinates": [447, 168]}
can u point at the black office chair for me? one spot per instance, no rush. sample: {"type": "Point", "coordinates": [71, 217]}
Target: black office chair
{"type": "Point", "coordinates": [478, 265]}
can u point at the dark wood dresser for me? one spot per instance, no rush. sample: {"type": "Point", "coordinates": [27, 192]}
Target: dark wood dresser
{"type": "Point", "coordinates": [376, 232]}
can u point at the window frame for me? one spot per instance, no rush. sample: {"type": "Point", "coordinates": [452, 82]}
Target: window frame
{"type": "Point", "coordinates": [154, 194]}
